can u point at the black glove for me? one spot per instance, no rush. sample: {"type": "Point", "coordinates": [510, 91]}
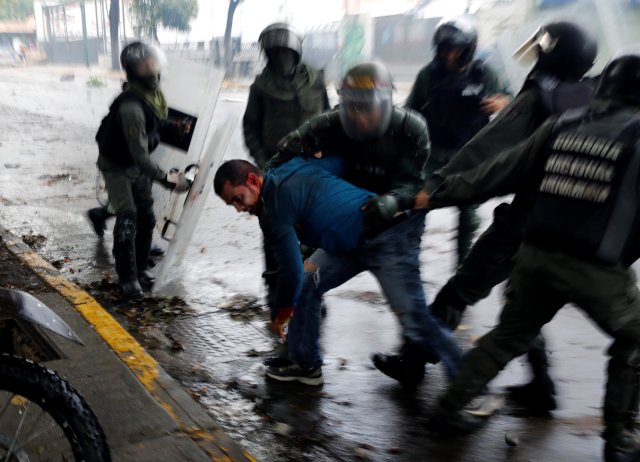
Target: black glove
{"type": "Point", "coordinates": [448, 307]}
{"type": "Point", "coordinates": [378, 213]}
{"type": "Point", "coordinates": [177, 181]}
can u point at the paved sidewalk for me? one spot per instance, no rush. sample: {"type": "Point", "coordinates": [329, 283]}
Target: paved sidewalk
{"type": "Point", "coordinates": [145, 414]}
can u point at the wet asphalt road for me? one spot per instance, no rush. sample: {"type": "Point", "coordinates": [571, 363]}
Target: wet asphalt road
{"type": "Point", "coordinates": [47, 171]}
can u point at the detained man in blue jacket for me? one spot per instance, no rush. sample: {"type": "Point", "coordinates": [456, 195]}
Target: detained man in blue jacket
{"type": "Point", "coordinates": [304, 201]}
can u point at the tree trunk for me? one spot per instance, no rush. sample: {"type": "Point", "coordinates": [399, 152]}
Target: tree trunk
{"type": "Point", "coordinates": [228, 53]}
{"type": "Point", "coordinates": [114, 23]}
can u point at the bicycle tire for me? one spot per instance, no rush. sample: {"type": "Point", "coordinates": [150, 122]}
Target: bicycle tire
{"type": "Point", "coordinates": [61, 401]}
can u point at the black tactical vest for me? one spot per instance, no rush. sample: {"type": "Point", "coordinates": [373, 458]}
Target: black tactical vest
{"type": "Point", "coordinates": [453, 111]}
{"type": "Point", "coordinates": [110, 137]}
{"type": "Point", "coordinates": [588, 200]}
{"type": "Point", "coordinates": [282, 116]}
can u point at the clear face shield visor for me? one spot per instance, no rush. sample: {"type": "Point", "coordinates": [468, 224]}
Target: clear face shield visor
{"type": "Point", "coordinates": [541, 41]}
{"type": "Point", "coordinates": [365, 113]}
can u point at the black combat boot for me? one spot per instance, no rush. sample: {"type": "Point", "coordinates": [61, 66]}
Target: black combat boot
{"type": "Point", "coordinates": [450, 422]}
{"type": "Point", "coordinates": [622, 439]}
{"type": "Point", "coordinates": [98, 218]}
{"type": "Point", "coordinates": [622, 447]}
{"type": "Point", "coordinates": [537, 396]}
{"type": "Point", "coordinates": [406, 367]}
{"type": "Point", "coordinates": [124, 253]}
{"type": "Point", "coordinates": [144, 235]}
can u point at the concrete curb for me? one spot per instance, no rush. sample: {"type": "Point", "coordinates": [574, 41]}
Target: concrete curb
{"type": "Point", "coordinates": [187, 414]}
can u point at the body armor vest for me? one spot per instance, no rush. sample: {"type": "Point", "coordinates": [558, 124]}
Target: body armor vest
{"type": "Point", "coordinates": [283, 115]}
{"type": "Point", "coordinates": [453, 111]}
{"type": "Point", "coordinates": [555, 98]}
{"type": "Point", "coordinates": [112, 143]}
{"type": "Point", "coordinates": [588, 201]}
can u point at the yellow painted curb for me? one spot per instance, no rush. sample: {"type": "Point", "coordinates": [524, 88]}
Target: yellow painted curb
{"type": "Point", "coordinates": [127, 348]}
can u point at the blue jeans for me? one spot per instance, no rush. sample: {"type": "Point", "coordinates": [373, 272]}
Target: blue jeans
{"type": "Point", "coordinates": [393, 257]}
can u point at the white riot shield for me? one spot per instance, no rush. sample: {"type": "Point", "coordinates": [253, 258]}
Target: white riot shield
{"type": "Point", "coordinates": [192, 89]}
{"type": "Point", "coordinates": [215, 149]}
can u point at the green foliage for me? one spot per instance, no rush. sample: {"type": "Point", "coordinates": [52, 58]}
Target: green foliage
{"type": "Point", "coordinates": [15, 9]}
{"type": "Point", "coordinates": [176, 14]}
{"type": "Point", "coordinates": [172, 14]}
{"type": "Point", "coordinates": [95, 82]}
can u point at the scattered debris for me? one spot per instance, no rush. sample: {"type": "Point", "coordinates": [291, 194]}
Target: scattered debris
{"type": "Point", "coordinates": [53, 179]}
{"type": "Point", "coordinates": [197, 394]}
{"type": "Point", "coordinates": [282, 429]}
{"type": "Point", "coordinates": [244, 308]}
{"type": "Point", "coordinates": [68, 77]}
{"type": "Point", "coordinates": [35, 241]}
{"type": "Point", "coordinates": [252, 353]}
{"type": "Point", "coordinates": [58, 264]}
{"type": "Point", "coordinates": [364, 452]}
{"type": "Point", "coordinates": [175, 344]}
{"type": "Point", "coordinates": [511, 439]}
{"type": "Point", "coordinates": [141, 312]}
{"type": "Point", "coordinates": [375, 298]}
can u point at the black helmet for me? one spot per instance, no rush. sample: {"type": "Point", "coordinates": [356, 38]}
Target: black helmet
{"type": "Point", "coordinates": [620, 79]}
{"type": "Point", "coordinates": [365, 101]}
{"type": "Point", "coordinates": [560, 49]}
{"type": "Point", "coordinates": [280, 35]}
{"type": "Point", "coordinates": [134, 55]}
{"type": "Point", "coordinates": [456, 33]}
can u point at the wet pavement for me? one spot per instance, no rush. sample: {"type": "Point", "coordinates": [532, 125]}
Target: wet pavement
{"type": "Point", "coordinates": [216, 346]}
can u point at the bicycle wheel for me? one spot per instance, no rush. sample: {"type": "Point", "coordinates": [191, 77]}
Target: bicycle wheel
{"type": "Point", "coordinates": [43, 418]}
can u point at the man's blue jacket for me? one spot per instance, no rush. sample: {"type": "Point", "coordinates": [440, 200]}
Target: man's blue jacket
{"type": "Point", "coordinates": [304, 201]}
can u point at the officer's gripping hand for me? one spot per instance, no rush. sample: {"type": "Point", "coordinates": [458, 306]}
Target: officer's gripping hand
{"type": "Point", "coordinates": [448, 307]}
{"type": "Point", "coordinates": [178, 181]}
{"type": "Point", "coordinates": [283, 316]}
{"type": "Point", "coordinates": [421, 201]}
{"type": "Point", "coordinates": [378, 213]}
{"type": "Point", "coordinates": [448, 315]}
{"type": "Point", "coordinates": [494, 103]}
{"type": "Point", "coordinates": [185, 125]}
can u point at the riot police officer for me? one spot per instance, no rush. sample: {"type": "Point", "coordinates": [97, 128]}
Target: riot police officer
{"type": "Point", "coordinates": [126, 137]}
{"type": "Point", "coordinates": [456, 94]}
{"type": "Point", "coordinates": [384, 149]}
{"type": "Point", "coordinates": [563, 53]}
{"type": "Point", "coordinates": [580, 239]}
{"type": "Point", "coordinates": [283, 96]}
